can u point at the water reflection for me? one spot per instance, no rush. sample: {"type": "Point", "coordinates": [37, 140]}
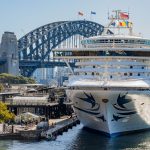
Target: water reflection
{"type": "Point", "coordinates": [80, 139]}
{"type": "Point", "coordinates": [90, 140]}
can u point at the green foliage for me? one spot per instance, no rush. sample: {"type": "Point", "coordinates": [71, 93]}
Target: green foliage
{"type": "Point", "coordinates": [5, 115]}
{"type": "Point", "coordinates": [1, 87]}
{"type": "Point", "coordinates": [8, 78]}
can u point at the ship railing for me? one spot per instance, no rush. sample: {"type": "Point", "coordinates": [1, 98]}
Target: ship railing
{"type": "Point", "coordinates": [111, 77]}
{"type": "Point", "coordinates": [116, 45]}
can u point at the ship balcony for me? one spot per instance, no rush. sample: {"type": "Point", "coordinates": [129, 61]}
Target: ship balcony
{"type": "Point", "coordinates": [116, 45]}
{"type": "Point", "coordinates": [111, 70]}
{"type": "Point", "coordinates": [97, 52]}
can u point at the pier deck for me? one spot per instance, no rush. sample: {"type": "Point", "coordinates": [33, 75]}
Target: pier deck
{"type": "Point", "coordinates": [57, 127]}
{"type": "Point", "coordinates": [62, 126]}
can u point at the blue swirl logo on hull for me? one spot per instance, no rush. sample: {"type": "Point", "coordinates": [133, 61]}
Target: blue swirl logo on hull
{"type": "Point", "coordinates": [123, 110]}
{"type": "Point", "coordinates": [94, 108]}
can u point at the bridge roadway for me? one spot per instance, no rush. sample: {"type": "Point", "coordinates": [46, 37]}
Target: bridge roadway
{"type": "Point", "coordinates": [29, 66]}
{"type": "Point", "coordinates": [43, 64]}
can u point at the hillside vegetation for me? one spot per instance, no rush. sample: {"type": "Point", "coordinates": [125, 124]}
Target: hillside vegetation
{"type": "Point", "coordinates": [10, 79]}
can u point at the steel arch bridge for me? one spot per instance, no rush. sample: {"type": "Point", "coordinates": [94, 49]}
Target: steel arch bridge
{"type": "Point", "coordinates": [35, 47]}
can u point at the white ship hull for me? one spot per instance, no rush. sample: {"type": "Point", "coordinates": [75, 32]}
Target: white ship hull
{"type": "Point", "coordinates": [112, 112]}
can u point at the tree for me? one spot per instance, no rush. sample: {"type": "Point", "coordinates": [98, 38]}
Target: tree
{"type": "Point", "coordinates": [5, 115]}
{"type": "Point", "coordinates": [1, 87]}
{"type": "Point", "coordinates": [10, 79]}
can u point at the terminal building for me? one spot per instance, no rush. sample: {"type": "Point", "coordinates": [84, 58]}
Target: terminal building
{"type": "Point", "coordinates": [9, 54]}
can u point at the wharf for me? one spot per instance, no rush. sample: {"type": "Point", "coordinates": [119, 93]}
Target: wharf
{"type": "Point", "coordinates": [62, 126]}
{"type": "Point", "coordinates": [57, 127]}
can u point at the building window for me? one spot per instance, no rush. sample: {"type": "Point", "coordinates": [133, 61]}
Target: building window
{"type": "Point", "coordinates": [92, 73]}
{"type": "Point", "coordinates": [130, 74]}
{"type": "Point", "coordinates": [138, 74]}
{"type": "Point", "coordinates": [85, 73]}
{"type": "Point", "coordinates": [131, 67]}
{"type": "Point", "coordinates": [93, 66]}
{"type": "Point", "coordinates": [125, 74]}
{"type": "Point", "coordinates": [142, 67]}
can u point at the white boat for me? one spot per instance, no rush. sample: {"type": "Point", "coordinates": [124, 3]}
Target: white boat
{"type": "Point", "coordinates": [110, 86]}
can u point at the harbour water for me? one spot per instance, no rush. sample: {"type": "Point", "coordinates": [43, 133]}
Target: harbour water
{"type": "Point", "coordinates": [78, 138]}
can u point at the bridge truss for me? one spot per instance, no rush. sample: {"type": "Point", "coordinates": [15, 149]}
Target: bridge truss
{"type": "Point", "coordinates": [35, 47]}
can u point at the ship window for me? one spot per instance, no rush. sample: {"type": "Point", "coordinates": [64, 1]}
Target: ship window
{"type": "Point", "coordinates": [111, 41]}
{"type": "Point", "coordinates": [122, 41]}
{"type": "Point", "coordinates": [142, 41]}
{"type": "Point", "coordinates": [106, 41]}
{"type": "Point", "coordinates": [132, 41]}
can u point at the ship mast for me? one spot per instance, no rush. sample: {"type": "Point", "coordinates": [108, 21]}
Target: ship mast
{"type": "Point", "coordinates": [116, 19]}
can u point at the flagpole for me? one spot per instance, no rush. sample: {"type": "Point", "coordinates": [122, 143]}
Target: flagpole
{"type": "Point", "coordinates": [90, 17]}
{"type": "Point", "coordinates": [92, 13]}
{"type": "Point", "coordinates": [80, 14]}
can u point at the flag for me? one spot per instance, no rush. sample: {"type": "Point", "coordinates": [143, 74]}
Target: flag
{"type": "Point", "coordinates": [123, 15]}
{"type": "Point", "coordinates": [130, 24]}
{"type": "Point", "coordinates": [117, 23]}
{"type": "Point", "coordinates": [120, 24]}
{"type": "Point", "coordinates": [113, 24]}
{"type": "Point", "coordinates": [127, 23]}
{"type": "Point", "coordinates": [124, 24]}
{"type": "Point", "coordinates": [93, 13]}
{"type": "Point", "coordinates": [80, 13]}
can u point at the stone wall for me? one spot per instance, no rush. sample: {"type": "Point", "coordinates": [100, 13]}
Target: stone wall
{"type": "Point", "coordinates": [9, 52]}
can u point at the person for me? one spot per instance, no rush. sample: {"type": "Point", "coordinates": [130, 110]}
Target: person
{"type": "Point", "coordinates": [12, 131]}
{"type": "Point", "coordinates": [4, 127]}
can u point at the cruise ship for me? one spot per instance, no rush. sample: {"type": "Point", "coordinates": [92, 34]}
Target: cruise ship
{"type": "Point", "coordinates": [110, 86]}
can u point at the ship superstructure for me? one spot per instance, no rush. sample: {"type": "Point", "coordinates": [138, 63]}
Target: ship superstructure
{"type": "Point", "coordinates": [110, 86]}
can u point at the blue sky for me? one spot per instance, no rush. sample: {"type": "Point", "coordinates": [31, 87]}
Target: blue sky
{"type": "Point", "coordinates": [22, 16]}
